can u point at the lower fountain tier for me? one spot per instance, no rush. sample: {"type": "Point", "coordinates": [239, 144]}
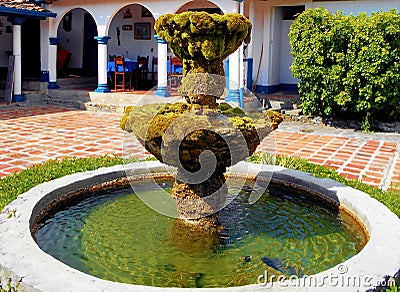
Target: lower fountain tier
{"type": "Point", "coordinates": [184, 135]}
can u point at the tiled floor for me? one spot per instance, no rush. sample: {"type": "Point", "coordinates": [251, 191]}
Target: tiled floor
{"type": "Point", "coordinates": [371, 161]}
{"type": "Point", "coordinates": [31, 135]}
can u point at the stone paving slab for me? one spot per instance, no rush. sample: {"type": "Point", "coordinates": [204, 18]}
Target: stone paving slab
{"type": "Point", "coordinates": [34, 134]}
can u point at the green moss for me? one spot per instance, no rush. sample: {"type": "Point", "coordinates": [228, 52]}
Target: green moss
{"type": "Point", "coordinates": [230, 111]}
{"type": "Point", "coordinates": [202, 35]}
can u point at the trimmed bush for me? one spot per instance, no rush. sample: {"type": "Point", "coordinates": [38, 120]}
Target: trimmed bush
{"type": "Point", "coordinates": [348, 65]}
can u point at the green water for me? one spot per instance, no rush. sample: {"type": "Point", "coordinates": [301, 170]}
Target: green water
{"type": "Point", "coordinates": [115, 236]}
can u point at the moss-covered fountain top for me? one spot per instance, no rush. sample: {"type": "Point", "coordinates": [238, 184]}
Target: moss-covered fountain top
{"type": "Point", "coordinates": [202, 41]}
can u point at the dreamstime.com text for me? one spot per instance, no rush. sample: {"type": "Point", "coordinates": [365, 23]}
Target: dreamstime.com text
{"type": "Point", "coordinates": [339, 279]}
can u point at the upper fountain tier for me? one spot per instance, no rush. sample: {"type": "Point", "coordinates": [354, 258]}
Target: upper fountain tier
{"type": "Point", "coordinates": [202, 41]}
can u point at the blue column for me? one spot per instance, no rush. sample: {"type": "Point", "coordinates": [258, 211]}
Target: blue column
{"type": "Point", "coordinates": [102, 64]}
{"type": "Point", "coordinates": [162, 89]}
{"type": "Point", "coordinates": [233, 95]}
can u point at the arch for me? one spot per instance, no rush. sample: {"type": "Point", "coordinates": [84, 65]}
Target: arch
{"type": "Point", "coordinates": [131, 32]}
{"type": "Point", "coordinates": [61, 15]}
{"type": "Point", "coordinates": [198, 5]}
{"type": "Point", "coordinates": [76, 29]}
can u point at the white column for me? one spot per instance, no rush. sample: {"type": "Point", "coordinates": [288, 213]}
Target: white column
{"type": "Point", "coordinates": [241, 66]}
{"type": "Point", "coordinates": [251, 71]}
{"type": "Point", "coordinates": [44, 50]}
{"type": "Point", "coordinates": [233, 94]}
{"type": "Point", "coordinates": [17, 23]}
{"type": "Point", "coordinates": [162, 47]}
{"type": "Point", "coordinates": [52, 53]}
{"type": "Point", "coordinates": [233, 91]}
{"type": "Point", "coordinates": [252, 20]}
{"type": "Point", "coordinates": [53, 42]}
{"type": "Point", "coordinates": [102, 64]}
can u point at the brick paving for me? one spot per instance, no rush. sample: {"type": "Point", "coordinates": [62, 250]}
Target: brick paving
{"type": "Point", "coordinates": [32, 135]}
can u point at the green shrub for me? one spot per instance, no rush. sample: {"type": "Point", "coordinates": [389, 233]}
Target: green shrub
{"type": "Point", "coordinates": [348, 65]}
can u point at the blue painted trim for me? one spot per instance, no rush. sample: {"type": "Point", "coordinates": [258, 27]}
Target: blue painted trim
{"type": "Point", "coordinates": [102, 40]}
{"type": "Point", "coordinates": [162, 91]}
{"type": "Point", "coordinates": [18, 98]}
{"type": "Point", "coordinates": [53, 85]}
{"type": "Point", "coordinates": [249, 77]}
{"type": "Point", "coordinates": [16, 20]}
{"type": "Point", "coordinates": [227, 74]}
{"type": "Point", "coordinates": [10, 11]}
{"type": "Point", "coordinates": [160, 40]}
{"type": "Point", "coordinates": [44, 76]}
{"type": "Point", "coordinates": [241, 97]}
{"type": "Point", "coordinates": [275, 88]}
{"type": "Point", "coordinates": [288, 87]}
{"type": "Point", "coordinates": [54, 41]}
{"type": "Point", "coordinates": [267, 89]}
{"type": "Point", "coordinates": [233, 95]}
{"type": "Point", "coordinates": [102, 88]}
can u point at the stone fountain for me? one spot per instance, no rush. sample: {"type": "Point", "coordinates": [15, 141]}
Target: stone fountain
{"type": "Point", "coordinates": [201, 137]}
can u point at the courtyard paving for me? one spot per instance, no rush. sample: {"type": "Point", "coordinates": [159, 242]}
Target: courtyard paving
{"type": "Point", "coordinates": [34, 134]}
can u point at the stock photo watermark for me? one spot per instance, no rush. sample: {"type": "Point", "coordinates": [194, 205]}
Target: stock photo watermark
{"type": "Point", "coordinates": [339, 279]}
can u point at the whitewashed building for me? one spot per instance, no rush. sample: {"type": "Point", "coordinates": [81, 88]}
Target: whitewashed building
{"type": "Point", "coordinates": [92, 30]}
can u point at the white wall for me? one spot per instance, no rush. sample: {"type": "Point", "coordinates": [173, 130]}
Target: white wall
{"type": "Point", "coordinates": [131, 47]}
{"type": "Point", "coordinates": [5, 41]}
{"type": "Point", "coordinates": [257, 37]}
{"type": "Point", "coordinates": [285, 74]}
{"type": "Point", "coordinates": [275, 46]}
{"type": "Point", "coordinates": [355, 7]}
{"type": "Point", "coordinates": [267, 28]}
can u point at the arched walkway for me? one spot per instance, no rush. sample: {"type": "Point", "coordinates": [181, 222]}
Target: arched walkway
{"type": "Point", "coordinates": [76, 33]}
{"type": "Point", "coordinates": [131, 35]}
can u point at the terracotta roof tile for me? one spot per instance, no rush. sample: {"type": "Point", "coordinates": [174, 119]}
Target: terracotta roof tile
{"type": "Point", "coordinates": [22, 4]}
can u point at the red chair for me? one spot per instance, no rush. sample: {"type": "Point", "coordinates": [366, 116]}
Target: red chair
{"type": "Point", "coordinates": [63, 58]}
{"type": "Point", "coordinates": [174, 77]}
{"type": "Point", "coordinates": [121, 76]}
{"type": "Point", "coordinates": [153, 72]}
{"type": "Point", "coordinates": [143, 67]}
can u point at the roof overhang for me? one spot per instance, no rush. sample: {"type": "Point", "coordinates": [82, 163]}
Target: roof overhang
{"type": "Point", "coordinates": [25, 13]}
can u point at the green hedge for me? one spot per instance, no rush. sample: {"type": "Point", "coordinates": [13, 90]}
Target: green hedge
{"type": "Point", "coordinates": [348, 65]}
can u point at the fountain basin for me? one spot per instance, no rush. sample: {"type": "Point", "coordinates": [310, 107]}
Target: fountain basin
{"type": "Point", "coordinates": [21, 258]}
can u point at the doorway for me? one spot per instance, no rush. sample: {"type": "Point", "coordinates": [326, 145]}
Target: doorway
{"type": "Point", "coordinates": [30, 49]}
{"type": "Point", "coordinates": [90, 50]}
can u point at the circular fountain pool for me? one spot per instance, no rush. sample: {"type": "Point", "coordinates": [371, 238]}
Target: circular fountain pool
{"type": "Point", "coordinates": [318, 244]}
{"type": "Point", "coordinates": [113, 235]}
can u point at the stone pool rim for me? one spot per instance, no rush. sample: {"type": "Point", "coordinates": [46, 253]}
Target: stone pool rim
{"type": "Point", "coordinates": [34, 270]}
